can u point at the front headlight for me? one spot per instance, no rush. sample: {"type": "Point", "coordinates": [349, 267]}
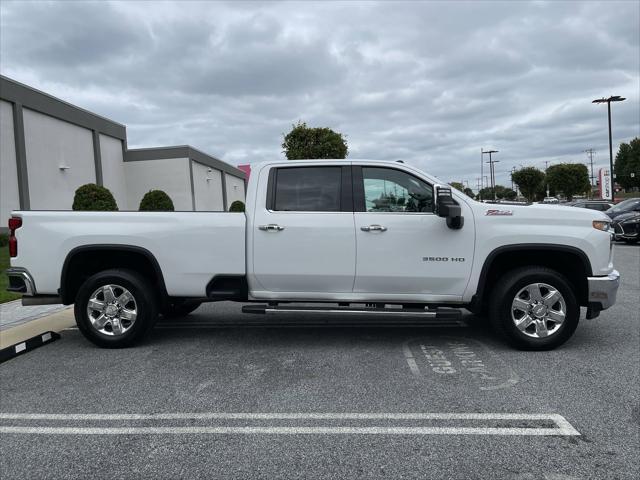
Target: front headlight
{"type": "Point", "coordinates": [601, 225]}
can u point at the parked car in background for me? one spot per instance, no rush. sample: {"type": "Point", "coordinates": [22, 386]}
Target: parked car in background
{"type": "Point", "coordinates": [626, 226]}
{"type": "Point", "coordinates": [550, 200]}
{"type": "Point", "coordinates": [626, 206]}
{"type": "Point", "coordinates": [600, 205]}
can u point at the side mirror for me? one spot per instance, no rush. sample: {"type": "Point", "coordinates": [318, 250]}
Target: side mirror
{"type": "Point", "coordinates": [448, 208]}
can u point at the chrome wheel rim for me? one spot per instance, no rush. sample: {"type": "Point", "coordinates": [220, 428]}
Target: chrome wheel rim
{"type": "Point", "coordinates": [112, 310]}
{"type": "Point", "coordinates": [538, 310]}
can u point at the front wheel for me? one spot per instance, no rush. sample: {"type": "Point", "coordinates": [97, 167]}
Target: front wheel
{"type": "Point", "coordinates": [115, 308]}
{"type": "Point", "coordinates": [534, 308]}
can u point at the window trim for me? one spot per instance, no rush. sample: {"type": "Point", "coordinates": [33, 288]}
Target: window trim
{"type": "Point", "coordinates": [346, 190]}
{"type": "Point", "coordinates": [358, 190]}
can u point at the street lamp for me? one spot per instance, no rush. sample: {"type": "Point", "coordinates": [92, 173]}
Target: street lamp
{"type": "Point", "coordinates": [614, 98]}
{"type": "Point", "coordinates": [492, 171]}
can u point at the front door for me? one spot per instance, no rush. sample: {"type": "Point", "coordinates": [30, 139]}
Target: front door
{"type": "Point", "coordinates": [403, 247]}
{"type": "Point", "coordinates": [304, 240]}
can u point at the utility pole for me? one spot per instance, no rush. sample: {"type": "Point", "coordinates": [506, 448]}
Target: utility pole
{"type": "Point", "coordinates": [513, 170]}
{"type": "Point", "coordinates": [481, 173]}
{"type": "Point", "coordinates": [492, 170]}
{"type": "Point", "coordinates": [612, 178]}
{"type": "Point", "coordinates": [546, 166]}
{"type": "Point", "coordinates": [590, 152]}
{"type": "Point", "coordinates": [479, 184]}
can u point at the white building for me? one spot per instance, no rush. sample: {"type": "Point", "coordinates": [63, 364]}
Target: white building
{"type": "Point", "coordinates": [48, 148]}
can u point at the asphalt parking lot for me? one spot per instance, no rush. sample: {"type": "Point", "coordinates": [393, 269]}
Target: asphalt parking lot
{"type": "Point", "coordinates": [206, 397]}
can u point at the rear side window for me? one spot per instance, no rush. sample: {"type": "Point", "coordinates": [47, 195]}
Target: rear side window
{"type": "Point", "coordinates": [307, 189]}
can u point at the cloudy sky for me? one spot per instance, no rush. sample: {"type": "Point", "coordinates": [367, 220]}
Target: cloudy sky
{"type": "Point", "coordinates": [427, 82]}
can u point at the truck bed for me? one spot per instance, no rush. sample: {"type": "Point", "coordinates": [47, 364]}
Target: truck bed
{"type": "Point", "coordinates": [190, 247]}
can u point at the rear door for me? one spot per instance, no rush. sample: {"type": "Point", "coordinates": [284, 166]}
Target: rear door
{"type": "Point", "coordinates": [304, 238]}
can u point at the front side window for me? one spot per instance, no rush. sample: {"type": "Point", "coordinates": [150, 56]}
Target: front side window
{"type": "Point", "coordinates": [389, 190]}
{"type": "Point", "coordinates": [308, 189]}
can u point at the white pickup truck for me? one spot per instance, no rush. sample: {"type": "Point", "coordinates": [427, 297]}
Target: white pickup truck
{"type": "Point", "coordinates": [353, 237]}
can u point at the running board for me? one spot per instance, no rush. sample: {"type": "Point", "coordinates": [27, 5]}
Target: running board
{"type": "Point", "coordinates": [438, 314]}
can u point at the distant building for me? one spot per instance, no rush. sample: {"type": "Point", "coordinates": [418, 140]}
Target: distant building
{"type": "Point", "coordinates": [48, 148]}
{"type": "Point", "coordinates": [246, 169]}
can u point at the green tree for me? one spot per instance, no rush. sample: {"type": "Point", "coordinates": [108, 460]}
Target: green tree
{"type": "Point", "coordinates": [530, 181]}
{"type": "Point", "coordinates": [569, 178]}
{"type": "Point", "coordinates": [156, 201]}
{"type": "Point", "coordinates": [92, 197]}
{"type": "Point", "coordinates": [627, 165]}
{"type": "Point", "coordinates": [502, 193]}
{"type": "Point", "coordinates": [304, 142]}
{"type": "Point", "coordinates": [466, 190]}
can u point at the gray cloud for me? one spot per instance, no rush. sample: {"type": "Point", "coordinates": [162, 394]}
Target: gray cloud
{"type": "Point", "coordinates": [428, 82]}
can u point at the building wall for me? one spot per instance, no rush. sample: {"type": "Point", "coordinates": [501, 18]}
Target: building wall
{"type": "Point", "coordinates": [235, 189]}
{"type": "Point", "coordinates": [9, 196]}
{"type": "Point", "coordinates": [207, 186]}
{"type": "Point", "coordinates": [170, 175]}
{"type": "Point", "coordinates": [51, 143]}
{"type": "Point", "coordinates": [113, 176]}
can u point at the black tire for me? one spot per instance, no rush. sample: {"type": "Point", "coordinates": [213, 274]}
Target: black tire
{"type": "Point", "coordinates": [180, 308]}
{"type": "Point", "coordinates": [504, 294]}
{"type": "Point", "coordinates": [146, 305]}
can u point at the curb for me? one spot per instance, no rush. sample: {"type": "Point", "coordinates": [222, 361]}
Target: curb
{"type": "Point", "coordinates": [28, 345]}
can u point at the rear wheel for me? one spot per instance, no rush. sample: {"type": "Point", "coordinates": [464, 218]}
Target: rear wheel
{"type": "Point", "coordinates": [534, 308]}
{"type": "Point", "coordinates": [115, 308]}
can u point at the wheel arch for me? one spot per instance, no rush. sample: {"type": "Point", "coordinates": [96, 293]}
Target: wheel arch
{"type": "Point", "coordinates": [575, 266]}
{"type": "Point", "coordinates": [83, 261]}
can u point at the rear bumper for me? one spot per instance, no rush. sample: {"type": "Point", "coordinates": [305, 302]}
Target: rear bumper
{"type": "Point", "coordinates": [603, 290]}
{"type": "Point", "coordinates": [20, 281]}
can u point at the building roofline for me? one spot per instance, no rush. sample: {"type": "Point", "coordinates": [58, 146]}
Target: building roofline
{"type": "Point", "coordinates": [181, 151]}
{"type": "Point", "coordinates": [33, 99]}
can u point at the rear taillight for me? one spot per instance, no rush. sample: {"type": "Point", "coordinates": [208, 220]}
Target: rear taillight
{"type": "Point", "coordinates": [14, 224]}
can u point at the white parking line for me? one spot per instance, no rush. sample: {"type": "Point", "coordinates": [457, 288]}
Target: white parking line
{"type": "Point", "coordinates": [562, 426]}
{"type": "Point", "coordinates": [284, 431]}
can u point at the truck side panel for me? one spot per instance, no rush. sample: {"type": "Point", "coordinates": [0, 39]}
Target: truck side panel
{"type": "Point", "coordinates": [190, 247]}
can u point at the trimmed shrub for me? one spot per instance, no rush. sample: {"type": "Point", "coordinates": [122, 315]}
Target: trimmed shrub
{"type": "Point", "coordinates": [156, 201]}
{"type": "Point", "coordinates": [4, 239]}
{"type": "Point", "coordinates": [236, 206]}
{"type": "Point", "coordinates": [92, 197]}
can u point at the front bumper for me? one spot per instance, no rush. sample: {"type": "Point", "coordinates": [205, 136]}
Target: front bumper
{"type": "Point", "coordinates": [20, 281]}
{"type": "Point", "coordinates": [626, 231]}
{"type": "Point", "coordinates": [603, 290]}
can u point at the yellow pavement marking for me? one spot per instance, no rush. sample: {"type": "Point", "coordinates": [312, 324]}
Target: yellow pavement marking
{"type": "Point", "coordinates": [54, 322]}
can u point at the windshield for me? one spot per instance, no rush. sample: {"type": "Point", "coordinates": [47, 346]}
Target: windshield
{"type": "Point", "coordinates": [625, 205]}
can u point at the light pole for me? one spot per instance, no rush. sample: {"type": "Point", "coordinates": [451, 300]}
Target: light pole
{"type": "Point", "coordinates": [492, 171]}
{"type": "Point", "coordinates": [614, 98]}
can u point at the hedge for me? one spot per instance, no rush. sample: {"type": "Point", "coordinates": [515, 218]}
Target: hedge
{"type": "Point", "coordinates": [237, 206]}
{"type": "Point", "coordinates": [156, 201]}
{"type": "Point", "coordinates": [92, 197]}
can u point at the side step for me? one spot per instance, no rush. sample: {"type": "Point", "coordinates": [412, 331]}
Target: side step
{"type": "Point", "coordinates": [438, 314]}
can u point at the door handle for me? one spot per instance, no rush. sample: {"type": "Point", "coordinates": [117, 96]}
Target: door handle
{"type": "Point", "coordinates": [272, 227]}
{"type": "Point", "coordinates": [374, 228]}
